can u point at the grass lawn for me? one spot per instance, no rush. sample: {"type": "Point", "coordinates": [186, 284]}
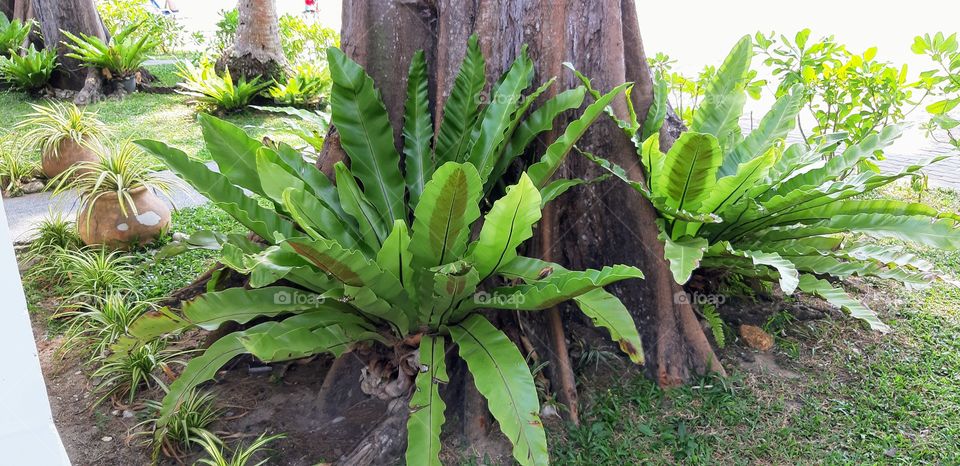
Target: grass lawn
{"type": "Point", "coordinates": [164, 117]}
{"type": "Point", "coordinates": [837, 393]}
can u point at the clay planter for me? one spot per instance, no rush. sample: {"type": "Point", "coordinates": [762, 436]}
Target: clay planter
{"type": "Point", "coordinates": [70, 153]}
{"type": "Point", "coordinates": [104, 222]}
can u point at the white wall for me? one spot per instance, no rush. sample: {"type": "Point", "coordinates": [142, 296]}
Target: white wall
{"type": "Point", "coordinates": [27, 433]}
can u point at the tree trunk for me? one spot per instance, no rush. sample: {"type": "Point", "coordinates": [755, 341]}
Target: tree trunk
{"type": "Point", "coordinates": [76, 16]}
{"type": "Point", "coordinates": [592, 226]}
{"type": "Point", "coordinates": [256, 51]}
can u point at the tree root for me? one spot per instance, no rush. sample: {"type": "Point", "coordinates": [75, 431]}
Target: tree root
{"type": "Point", "coordinates": [384, 444]}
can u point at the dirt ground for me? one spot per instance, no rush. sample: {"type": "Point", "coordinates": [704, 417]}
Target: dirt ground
{"type": "Point", "coordinates": [253, 402]}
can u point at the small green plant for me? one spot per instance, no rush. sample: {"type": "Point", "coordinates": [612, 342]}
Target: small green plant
{"type": "Point", "coordinates": [118, 171]}
{"type": "Point", "coordinates": [747, 206]}
{"type": "Point", "coordinates": [125, 373]}
{"type": "Point", "coordinates": [16, 167]}
{"type": "Point", "coordinates": [716, 324]}
{"type": "Point", "coordinates": [943, 83]}
{"type": "Point", "coordinates": [189, 421]}
{"type": "Point", "coordinates": [29, 71]}
{"type": "Point", "coordinates": [90, 272]}
{"type": "Point", "coordinates": [242, 456]}
{"type": "Point", "coordinates": [120, 57]}
{"type": "Point", "coordinates": [13, 34]}
{"type": "Point", "coordinates": [213, 92]}
{"type": "Point", "coordinates": [307, 87]}
{"type": "Point", "coordinates": [98, 323]}
{"type": "Point", "coordinates": [51, 124]}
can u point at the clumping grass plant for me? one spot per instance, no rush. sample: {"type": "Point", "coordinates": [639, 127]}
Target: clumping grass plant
{"type": "Point", "coordinates": [125, 373]}
{"type": "Point", "coordinates": [118, 171]}
{"type": "Point", "coordinates": [16, 166]}
{"type": "Point", "coordinates": [211, 91]}
{"type": "Point", "coordinates": [98, 323]}
{"type": "Point", "coordinates": [189, 422]}
{"type": "Point", "coordinates": [242, 456]}
{"type": "Point", "coordinates": [55, 122]}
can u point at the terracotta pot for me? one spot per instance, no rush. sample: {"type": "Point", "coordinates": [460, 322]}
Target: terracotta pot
{"type": "Point", "coordinates": [68, 153]}
{"type": "Point", "coordinates": [104, 222]}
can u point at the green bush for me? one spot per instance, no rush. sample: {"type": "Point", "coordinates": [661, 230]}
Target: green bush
{"type": "Point", "coordinates": [304, 42]}
{"type": "Point", "coordinates": [226, 30]}
{"type": "Point", "coordinates": [749, 206]}
{"type": "Point", "coordinates": [217, 92]}
{"type": "Point", "coordinates": [120, 14]}
{"type": "Point", "coordinates": [395, 258]}
{"type": "Point", "coordinates": [30, 71]}
{"type": "Point", "coordinates": [850, 94]}
{"type": "Point", "coordinates": [121, 56]}
{"type": "Point", "coordinates": [943, 83]}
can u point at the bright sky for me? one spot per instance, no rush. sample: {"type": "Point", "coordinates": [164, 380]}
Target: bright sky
{"type": "Point", "coordinates": [702, 31]}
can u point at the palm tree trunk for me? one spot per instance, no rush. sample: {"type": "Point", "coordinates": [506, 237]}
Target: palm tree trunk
{"type": "Point", "coordinates": [256, 51]}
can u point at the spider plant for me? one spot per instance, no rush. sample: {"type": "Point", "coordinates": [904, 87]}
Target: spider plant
{"type": "Point", "coordinates": [189, 421]}
{"type": "Point", "coordinates": [89, 272]}
{"type": "Point", "coordinates": [242, 456]}
{"type": "Point", "coordinates": [215, 92]}
{"type": "Point", "coordinates": [120, 57]}
{"type": "Point", "coordinates": [51, 124]}
{"type": "Point", "coordinates": [98, 323]}
{"type": "Point", "coordinates": [30, 71]}
{"type": "Point", "coordinates": [118, 171]}
{"type": "Point", "coordinates": [54, 232]}
{"type": "Point", "coordinates": [125, 373]}
{"type": "Point", "coordinates": [15, 167]}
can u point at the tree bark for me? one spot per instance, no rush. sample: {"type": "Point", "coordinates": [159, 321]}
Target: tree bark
{"type": "Point", "coordinates": [256, 51]}
{"type": "Point", "coordinates": [76, 16]}
{"type": "Point", "coordinates": [592, 226]}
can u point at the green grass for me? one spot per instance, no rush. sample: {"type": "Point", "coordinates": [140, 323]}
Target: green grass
{"type": "Point", "coordinates": [156, 279]}
{"type": "Point", "coordinates": [850, 396]}
{"type": "Point", "coordinates": [163, 117]}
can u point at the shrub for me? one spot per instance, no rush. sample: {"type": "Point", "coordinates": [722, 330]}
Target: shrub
{"type": "Point", "coordinates": [394, 259]}
{"type": "Point", "coordinates": [30, 71]}
{"type": "Point", "coordinates": [120, 14]}
{"type": "Point", "coordinates": [304, 41]}
{"type": "Point", "coordinates": [121, 56]}
{"type": "Point", "coordinates": [213, 92]}
{"type": "Point", "coordinates": [53, 233]}
{"type": "Point", "coordinates": [307, 87]}
{"type": "Point", "coordinates": [55, 122]}
{"type": "Point", "coordinates": [13, 34]}
{"type": "Point", "coordinates": [942, 83]}
{"type": "Point", "coordinates": [852, 94]}
{"type": "Point", "coordinates": [226, 30]}
{"type": "Point", "coordinates": [749, 207]}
